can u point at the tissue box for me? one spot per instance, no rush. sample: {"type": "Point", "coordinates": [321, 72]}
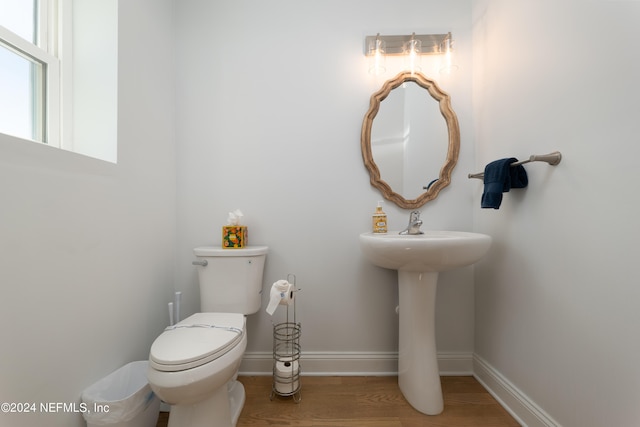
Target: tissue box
{"type": "Point", "coordinates": [234, 236]}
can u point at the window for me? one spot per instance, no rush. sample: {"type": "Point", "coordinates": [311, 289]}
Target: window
{"type": "Point", "coordinates": [59, 74]}
{"type": "Point", "coordinates": [29, 71]}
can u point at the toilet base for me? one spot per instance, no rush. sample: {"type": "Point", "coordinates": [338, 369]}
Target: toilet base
{"type": "Point", "coordinates": [222, 409]}
{"type": "Point", "coordinates": [237, 397]}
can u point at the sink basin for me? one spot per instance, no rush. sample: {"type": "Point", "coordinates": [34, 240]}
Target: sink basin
{"type": "Point", "coordinates": [419, 259]}
{"type": "Point", "coordinates": [431, 251]}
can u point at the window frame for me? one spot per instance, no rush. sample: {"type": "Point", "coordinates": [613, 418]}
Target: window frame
{"type": "Point", "coordinates": [44, 51]}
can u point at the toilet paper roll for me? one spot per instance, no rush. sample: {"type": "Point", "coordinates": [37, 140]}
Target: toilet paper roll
{"type": "Point", "coordinates": [287, 378]}
{"type": "Point", "coordinates": [282, 293]}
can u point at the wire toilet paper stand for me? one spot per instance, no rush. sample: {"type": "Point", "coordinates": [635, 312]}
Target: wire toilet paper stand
{"type": "Point", "coordinates": [286, 352]}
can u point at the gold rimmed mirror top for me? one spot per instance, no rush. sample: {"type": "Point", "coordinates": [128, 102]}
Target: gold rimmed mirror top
{"type": "Point", "coordinates": [437, 148]}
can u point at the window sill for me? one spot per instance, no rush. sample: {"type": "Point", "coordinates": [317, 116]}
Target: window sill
{"type": "Point", "coordinates": [18, 152]}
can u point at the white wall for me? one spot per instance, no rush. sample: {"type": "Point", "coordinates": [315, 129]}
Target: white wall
{"type": "Point", "coordinates": [557, 299]}
{"type": "Point", "coordinates": [270, 102]}
{"type": "Point", "coordinates": [87, 247]}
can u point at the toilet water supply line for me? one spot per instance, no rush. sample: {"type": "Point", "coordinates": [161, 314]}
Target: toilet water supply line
{"type": "Point", "coordinates": [176, 304]}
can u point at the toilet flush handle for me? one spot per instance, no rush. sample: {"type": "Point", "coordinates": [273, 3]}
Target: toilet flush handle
{"type": "Point", "coordinates": [203, 263]}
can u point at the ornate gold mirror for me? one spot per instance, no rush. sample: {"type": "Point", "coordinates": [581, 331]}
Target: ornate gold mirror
{"type": "Point", "coordinates": [409, 141]}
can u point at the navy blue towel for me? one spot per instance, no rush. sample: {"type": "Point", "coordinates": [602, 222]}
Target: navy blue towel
{"type": "Point", "coordinates": [500, 177]}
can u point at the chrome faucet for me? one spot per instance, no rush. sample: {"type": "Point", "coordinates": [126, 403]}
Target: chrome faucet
{"type": "Point", "coordinates": [414, 224]}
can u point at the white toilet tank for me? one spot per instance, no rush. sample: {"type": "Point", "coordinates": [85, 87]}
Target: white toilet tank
{"type": "Point", "coordinates": [231, 280]}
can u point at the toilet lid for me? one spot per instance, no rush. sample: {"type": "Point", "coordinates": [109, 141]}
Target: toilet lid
{"type": "Point", "coordinates": [196, 340]}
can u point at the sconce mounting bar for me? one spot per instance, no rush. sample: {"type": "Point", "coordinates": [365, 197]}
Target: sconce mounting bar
{"type": "Point", "coordinates": [431, 43]}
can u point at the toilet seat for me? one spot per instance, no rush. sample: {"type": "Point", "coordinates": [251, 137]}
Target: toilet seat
{"type": "Point", "coordinates": [197, 340]}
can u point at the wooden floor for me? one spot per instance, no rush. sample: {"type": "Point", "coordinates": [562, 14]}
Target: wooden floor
{"type": "Point", "coordinates": [366, 402]}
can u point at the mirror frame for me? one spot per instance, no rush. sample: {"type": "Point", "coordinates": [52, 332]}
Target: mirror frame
{"type": "Point", "coordinates": [454, 139]}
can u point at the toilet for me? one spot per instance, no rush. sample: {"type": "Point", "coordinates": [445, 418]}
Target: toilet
{"type": "Point", "coordinates": [193, 365]}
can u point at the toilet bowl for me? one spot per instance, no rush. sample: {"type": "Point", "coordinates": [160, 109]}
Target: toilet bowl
{"type": "Point", "coordinates": [191, 365]}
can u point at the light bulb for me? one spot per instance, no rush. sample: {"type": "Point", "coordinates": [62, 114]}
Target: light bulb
{"type": "Point", "coordinates": [448, 66]}
{"type": "Point", "coordinates": [375, 51]}
{"type": "Point", "coordinates": [412, 56]}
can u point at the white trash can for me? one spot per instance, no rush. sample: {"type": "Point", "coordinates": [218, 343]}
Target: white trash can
{"type": "Point", "coordinates": [122, 399]}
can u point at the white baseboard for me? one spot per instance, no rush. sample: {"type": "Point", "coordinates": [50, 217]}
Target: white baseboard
{"type": "Point", "coordinates": [354, 363]}
{"type": "Point", "coordinates": [520, 406]}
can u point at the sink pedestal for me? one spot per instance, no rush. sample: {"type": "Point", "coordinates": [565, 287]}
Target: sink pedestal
{"type": "Point", "coordinates": [419, 259]}
{"type": "Point", "coordinates": [418, 374]}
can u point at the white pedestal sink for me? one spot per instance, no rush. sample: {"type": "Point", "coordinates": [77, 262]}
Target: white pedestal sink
{"type": "Point", "coordinates": [419, 259]}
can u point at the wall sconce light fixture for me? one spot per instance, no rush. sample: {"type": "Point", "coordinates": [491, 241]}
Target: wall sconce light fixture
{"type": "Point", "coordinates": [412, 47]}
{"type": "Point", "coordinates": [448, 66]}
{"type": "Point", "coordinates": [376, 50]}
{"type": "Point", "coordinates": [411, 51]}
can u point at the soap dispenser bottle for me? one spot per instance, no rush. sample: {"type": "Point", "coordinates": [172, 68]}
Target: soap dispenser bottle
{"type": "Point", "coordinates": [379, 220]}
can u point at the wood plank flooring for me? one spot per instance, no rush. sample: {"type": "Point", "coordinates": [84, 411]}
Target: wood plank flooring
{"type": "Point", "coordinates": [366, 402]}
